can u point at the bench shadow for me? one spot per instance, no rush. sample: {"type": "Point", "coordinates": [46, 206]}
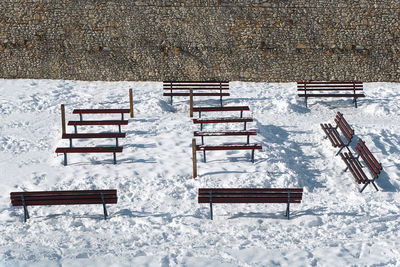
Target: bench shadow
{"type": "Point", "coordinates": [292, 150]}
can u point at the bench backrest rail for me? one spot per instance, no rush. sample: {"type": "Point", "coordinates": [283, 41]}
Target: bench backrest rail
{"type": "Point", "coordinates": [78, 197]}
{"type": "Point", "coordinates": [250, 195]}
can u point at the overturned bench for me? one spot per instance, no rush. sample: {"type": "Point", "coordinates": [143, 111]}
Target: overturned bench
{"type": "Point", "coordinates": [330, 89]}
{"type": "Point", "coordinates": [356, 168]}
{"type": "Point", "coordinates": [77, 197]}
{"type": "Point", "coordinates": [333, 134]}
{"type": "Point", "coordinates": [85, 150]}
{"type": "Point", "coordinates": [250, 195]}
{"type": "Point", "coordinates": [198, 88]}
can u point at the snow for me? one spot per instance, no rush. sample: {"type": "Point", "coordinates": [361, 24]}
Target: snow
{"type": "Point", "coordinates": [157, 221]}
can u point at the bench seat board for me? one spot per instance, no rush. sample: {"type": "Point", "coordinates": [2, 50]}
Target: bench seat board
{"type": "Point", "coordinates": [89, 149]}
{"type": "Point", "coordinates": [228, 147]}
{"type": "Point", "coordinates": [331, 95]}
{"type": "Point", "coordinates": [228, 133]}
{"type": "Point", "coordinates": [196, 94]}
{"type": "Point", "coordinates": [100, 111]}
{"type": "Point", "coordinates": [225, 108]}
{"type": "Point", "coordinates": [93, 135]}
{"type": "Point", "coordinates": [223, 120]}
{"type": "Point", "coordinates": [102, 122]}
{"type": "Point", "coordinates": [181, 87]}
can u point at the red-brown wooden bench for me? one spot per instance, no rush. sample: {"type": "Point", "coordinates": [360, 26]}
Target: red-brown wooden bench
{"type": "Point", "coordinates": [101, 111]}
{"type": "Point", "coordinates": [333, 134]}
{"type": "Point", "coordinates": [93, 135]}
{"type": "Point", "coordinates": [251, 147]}
{"type": "Point", "coordinates": [202, 121]}
{"type": "Point", "coordinates": [221, 109]}
{"type": "Point", "coordinates": [98, 123]}
{"type": "Point", "coordinates": [84, 150]}
{"type": "Point", "coordinates": [330, 89]}
{"type": "Point", "coordinates": [199, 88]}
{"type": "Point", "coordinates": [77, 197]}
{"type": "Point", "coordinates": [356, 169]}
{"type": "Point", "coordinates": [226, 133]}
{"type": "Point", "coordinates": [250, 195]}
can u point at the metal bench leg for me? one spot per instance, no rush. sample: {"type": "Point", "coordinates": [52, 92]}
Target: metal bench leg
{"type": "Point", "coordinates": [288, 205]}
{"type": "Point", "coordinates": [202, 140]}
{"type": "Point", "coordinates": [122, 116]}
{"type": "Point", "coordinates": [245, 125]}
{"type": "Point", "coordinates": [204, 156]}
{"type": "Point", "coordinates": [26, 214]}
{"type": "Point", "coordinates": [104, 206]}
{"type": "Point", "coordinates": [70, 142]}
{"type": "Point", "coordinates": [116, 142]}
{"type": "Point", "coordinates": [355, 102]}
{"type": "Point", "coordinates": [362, 189]}
{"type": "Point", "coordinates": [115, 158]}
{"type": "Point", "coordinates": [65, 159]}
{"type": "Point", "coordinates": [221, 100]}
{"type": "Point", "coordinates": [211, 210]}
{"type": "Point", "coordinates": [171, 98]}
{"type": "Point", "coordinates": [119, 128]}
{"type": "Point", "coordinates": [199, 114]}
{"type": "Point", "coordinates": [201, 127]}
{"type": "Point", "coordinates": [80, 116]}
{"type": "Point", "coordinates": [305, 101]}
{"type": "Point", "coordinates": [374, 185]}
{"type": "Point", "coordinates": [241, 114]}
{"type": "Point", "coordinates": [248, 139]}
{"type": "Point", "coordinates": [76, 129]}
{"type": "Point", "coordinates": [252, 156]}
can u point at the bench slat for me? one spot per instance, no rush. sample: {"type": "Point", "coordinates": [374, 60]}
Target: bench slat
{"type": "Point", "coordinates": [222, 120]}
{"type": "Point", "coordinates": [102, 122]}
{"type": "Point", "coordinates": [355, 168]}
{"type": "Point", "coordinates": [196, 87]}
{"type": "Point", "coordinates": [201, 82]}
{"type": "Point", "coordinates": [225, 108]}
{"type": "Point", "coordinates": [249, 190]}
{"type": "Point", "coordinates": [93, 135]}
{"type": "Point", "coordinates": [100, 111]}
{"type": "Point", "coordinates": [89, 149]}
{"type": "Point", "coordinates": [196, 94]}
{"type": "Point", "coordinates": [315, 82]}
{"type": "Point", "coordinates": [228, 147]}
{"type": "Point", "coordinates": [248, 200]}
{"type": "Point", "coordinates": [229, 133]}
{"type": "Point", "coordinates": [331, 95]}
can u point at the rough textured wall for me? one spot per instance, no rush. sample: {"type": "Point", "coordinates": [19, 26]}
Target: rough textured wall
{"type": "Point", "coordinates": [201, 40]}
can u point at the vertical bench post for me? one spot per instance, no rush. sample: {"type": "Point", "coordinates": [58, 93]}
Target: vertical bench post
{"type": "Point", "coordinates": [65, 159]}
{"type": "Point", "coordinates": [115, 158]}
{"type": "Point", "coordinates": [194, 158]}
{"type": "Point", "coordinates": [63, 129]}
{"type": "Point", "coordinates": [191, 103]}
{"type": "Point", "coordinates": [354, 91]}
{"type": "Point", "coordinates": [252, 156]}
{"type": "Point", "coordinates": [131, 102]}
{"type": "Point", "coordinates": [211, 209]}
{"type": "Point", "coordinates": [288, 204]}
{"type": "Point", "coordinates": [26, 214]}
{"type": "Point", "coordinates": [305, 94]}
{"type": "Point", "coordinates": [104, 205]}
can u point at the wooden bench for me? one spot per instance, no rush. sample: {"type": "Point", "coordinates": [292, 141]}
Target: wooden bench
{"type": "Point", "coordinates": [251, 147]}
{"type": "Point", "coordinates": [333, 135]}
{"type": "Point", "coordinates": [93, 135]}
{"type": "Point", "coordinates": [225, 133]}
{"type": "Point", "coordinates": [66, 150]}
{"type": "Point", "coordinates": [183, 88]}
{"type": "Point", "coordinates": [222, 109]}
{"type": "Point", "coordinates": [354, 165]}
{"type": "Point", "coordinates": [330, 89]}
{"type": "Point", "coordinates": [201, 121]}
{"type": "Point", "coordinates": [77, 197]}
{"type": "Point", "coordinates": [95, 123]}
{"type": "Point", "coordinates": [101, 111]}
{"type": "Point", "coordinates": [250, 195]}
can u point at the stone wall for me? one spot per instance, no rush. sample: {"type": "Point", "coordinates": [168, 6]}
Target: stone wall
{"type": "Point", "coordinates": [275, 41]}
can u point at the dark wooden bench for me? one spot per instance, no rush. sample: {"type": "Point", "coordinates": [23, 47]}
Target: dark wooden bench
{"type": "Point", "coordinates": [201, 121]}
{"type": "Point", "coordinates": [330, 89]}
{"type": "Point", "coordinates": [183, 88]}
{"type": "Point", "coordinates": [83, 150]}
{"type": "Point", "coordinates": [250, 195]}
{"type": "Point", "coordinates": [222, 109]}
{"type": "Point", "coordinates": [77, 197]}
{"type": "Point", "coordinates": [251, 147]}
{"type": "Point", "coordinates": [101, 111]}
{"type": "Point", "coordinates": [93, 135]}
{"type": "Point", "coordinates": [333, 135]}
{"type": "Point", "coordinates": [98, 122]}
{"type": "Point", "coordinates": [354, 165]}
{"type": "Point", "coordinates": [225, 133]}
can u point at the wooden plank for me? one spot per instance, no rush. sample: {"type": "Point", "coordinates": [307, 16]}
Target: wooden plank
{"type": "Point", "coordinates": [248, 200]}
{"type": "Point", "coordinates": [222, 120]}
{"type": "Point", "coordinates": [102, 122]}
{"type": "Point", "coordinates": [100, 111]}
{"type": "Point", "coordinates": [196, 94]}
{"type": "Point", "coordinates": [89, 149]}
{"type": "Point", "coordinates": [329, 89]}
{"type": "Point", "coordinates": [93, 135]}
{"type": "Point", "coordinates": [335, 82]}
{"type": "Point", "coordinates": [201, 82]}
{"type": "Point", "coordinates": [225, 108]}
{"type": "Point", "coordinates": [229, 147]}
{"type": "Point", "coordinates": [250, 190]}
{"type": "Point", "coordinates": [228, 133]}
{"type": "Point", "coordinates": [331, 95]}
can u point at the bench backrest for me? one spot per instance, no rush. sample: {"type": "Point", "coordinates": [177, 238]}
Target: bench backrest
{"type": "Point", "coordinates": [354, 167]}
{"type": "Point", "coordinates": [41, 198]}
{"type": "Point", "coordinates": [305, 87]}
{"type": "Point", "coordinates": [250, 195]}
{"type": "Point", "coordinates": [344, 126]}
{"type": "Point", "coordinates": [373, 165]}
{"type": "Point", "coordinates": [196, 85]}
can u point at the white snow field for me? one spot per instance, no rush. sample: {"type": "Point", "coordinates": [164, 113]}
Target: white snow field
{"type": "Point", "coordinates": [157, 220]}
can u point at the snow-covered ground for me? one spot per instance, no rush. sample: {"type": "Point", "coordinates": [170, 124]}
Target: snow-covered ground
{"type": "Point", "coordinates": [157, 221]}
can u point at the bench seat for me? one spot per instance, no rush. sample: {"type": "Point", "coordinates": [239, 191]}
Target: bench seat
{"type": "Point", "coordinates": [221, 109]}
{"type": "Point", "coordinates": [93, 135]}
{"type": "Point", "coordinates": [205, 148]}
{"type": "Point", "coordinates": [330, 89]}
{"type": "Point", "coordinates": [101, 111]}
{"type": "Point", "coordinates": [98, 123]}
{"type": "Point", "coordinates": [201, 121]}
{"type": "Point", "coordinates": [250, 195]}
{"type": "Point", "coordinates": [333, 135]}
{"type": "Point", "coordinates": [83, 150]}
{"type": "Point", "coordinates": [226, 133]}
{"type": "Point", "coordinates": [77, 197]}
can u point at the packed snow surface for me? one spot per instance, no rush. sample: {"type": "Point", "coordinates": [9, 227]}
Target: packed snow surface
{"type": "Point", "coordinates": [157, 221]}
